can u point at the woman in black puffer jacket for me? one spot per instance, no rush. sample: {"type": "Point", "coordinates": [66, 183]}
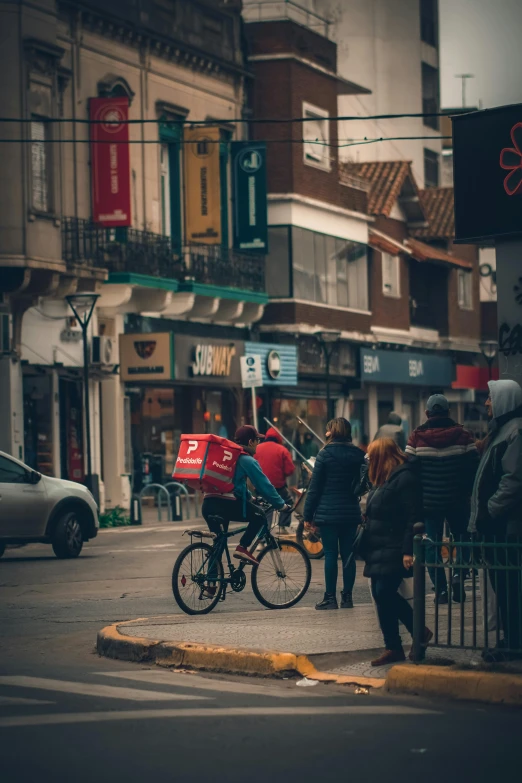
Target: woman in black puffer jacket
{"type": "Point", "coordinates": [332, 505]}
{"type": "Point", "coordinates": [393, 506]}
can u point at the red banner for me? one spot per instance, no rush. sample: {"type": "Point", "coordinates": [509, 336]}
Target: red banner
{"type": "Point", "coordinates": [110, 163]}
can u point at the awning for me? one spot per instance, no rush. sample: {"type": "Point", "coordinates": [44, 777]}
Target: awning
{"type": "Point", "coordinates": [469, 377]}
{"type": "Point", "coordinates": [423, 252]}
{"type": "Point", "coordinates": [420, 251]}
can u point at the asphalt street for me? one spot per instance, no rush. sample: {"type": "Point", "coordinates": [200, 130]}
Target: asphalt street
{"type": "Point", "coordinates": [68, 715]}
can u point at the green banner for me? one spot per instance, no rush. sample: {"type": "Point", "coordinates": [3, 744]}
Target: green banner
{"type": "Point", "coordinates": [250, 202]}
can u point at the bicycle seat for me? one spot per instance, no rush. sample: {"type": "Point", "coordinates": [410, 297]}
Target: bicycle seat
{"type": "Point", "coordinates": [200, 533]}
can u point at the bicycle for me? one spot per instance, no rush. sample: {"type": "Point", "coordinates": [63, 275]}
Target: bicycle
{"type": "Point", "coordinates": [279, 581]}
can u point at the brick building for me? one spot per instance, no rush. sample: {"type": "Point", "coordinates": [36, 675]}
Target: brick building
{"type": "Point", "coordinates": [355, 248]}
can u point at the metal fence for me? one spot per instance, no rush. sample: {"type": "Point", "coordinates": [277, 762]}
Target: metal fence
{"type": "Point", "coordinates": [484, 594]}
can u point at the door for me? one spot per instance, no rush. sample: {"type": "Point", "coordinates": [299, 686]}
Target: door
{"type": "Point", "coordinates": [23, 511]}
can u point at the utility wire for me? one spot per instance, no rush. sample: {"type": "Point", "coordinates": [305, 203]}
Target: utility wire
{"type": "Point", "coordinates": [350, 143]}
{"type": "Point", "coordinates": [228, 120]}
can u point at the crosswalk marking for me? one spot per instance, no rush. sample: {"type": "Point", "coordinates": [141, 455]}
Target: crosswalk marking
{"type": "Point", "coordinates": [197, 682]}
{"type": "Point", "coordinates": [88, 689]}
{"type": "Point", "coordinates": [210, 712]}
{"type": "Point", "coordinates": [14, 700]}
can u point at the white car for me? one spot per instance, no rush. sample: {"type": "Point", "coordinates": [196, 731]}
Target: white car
{"type": "Point", "coordinates": [36, 508]}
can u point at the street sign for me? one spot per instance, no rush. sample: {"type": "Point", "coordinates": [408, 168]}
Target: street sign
{"type": "Point", "coordinates": [250, 200]}
{"type": "Point", "coordinates": [251, 371]}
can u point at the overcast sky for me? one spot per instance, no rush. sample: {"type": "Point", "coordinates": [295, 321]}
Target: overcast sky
{"type": "Point", "coordinates": [483, 37]}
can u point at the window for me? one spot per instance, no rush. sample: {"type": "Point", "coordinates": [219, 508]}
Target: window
{"type": "Point", "coordinates": [391, 275]}
{"type": "Point", "coordinates": [465, 282]}
{"type": "Point", "coordinates": [11, 472]}
{"type": "Point", "coordinates": [170, 178]}
{"type": "Point", "coordinates": [278, 262]}
{"type": "Point", "coordinates": [430, 95]}
{"type": "Point", "coordinates": [165, 190]}
{"type": "Point", "coordinates": [316, 137]}
{"type": "Point", "coordinates": [40, 168]}
{"type": "Point", "coordinates": [429, 22]}
{"type": "Point", "coordinates": [328, 270]}
{"type": "Point", "coordinates": [431, 169]}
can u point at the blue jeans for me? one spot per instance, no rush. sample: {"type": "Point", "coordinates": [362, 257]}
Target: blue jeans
{"type": "Point", "coordinates": [338, 539]}
{"type": "Point", "coordinates": [457, 520]}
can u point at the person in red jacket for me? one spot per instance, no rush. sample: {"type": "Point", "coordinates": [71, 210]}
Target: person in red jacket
{"type": "Point", "coordinates": [276, 463]}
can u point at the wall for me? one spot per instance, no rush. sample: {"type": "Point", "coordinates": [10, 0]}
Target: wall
{"type": "Point", "coordinates": [154, 80]}
{"type": "Point", "coordinates": [379, 47]}
{"type": "Point", "coordinates": [315, 315]}
{"type": "Point", "coordinates": [465, 323]}
{"type": "Point", "coordinates": [387, 310]}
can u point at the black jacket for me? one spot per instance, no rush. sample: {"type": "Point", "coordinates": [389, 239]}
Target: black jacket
{"type": "Point", "coordinates": [331, 498]}
{"type": "Point", "coordinates": [391, 512]}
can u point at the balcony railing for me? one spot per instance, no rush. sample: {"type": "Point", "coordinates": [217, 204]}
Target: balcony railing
{"type": "Point", "coordinates": [146, 253]}
{"type": "Point", "coordinates": [275, 10]}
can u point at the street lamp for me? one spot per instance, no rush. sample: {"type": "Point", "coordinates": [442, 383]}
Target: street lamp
{"type": "Point", "coordinates": [489, 349]}
{"type": "Point", "coordinates": [327, 339]}
{"type": "Point", "coordinates": [82, 306]}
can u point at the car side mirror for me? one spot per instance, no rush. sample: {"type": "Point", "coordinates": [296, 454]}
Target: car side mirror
{"type": "Point", "coordinates": [33, 477]}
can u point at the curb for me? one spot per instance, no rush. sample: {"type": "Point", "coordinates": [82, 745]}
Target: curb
{"type": "Point", "coordinates": [236, 660]}
{"type": "Point", "coordinates": [493, 688]}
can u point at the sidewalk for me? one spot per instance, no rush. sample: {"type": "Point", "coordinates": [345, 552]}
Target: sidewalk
{"type": "Point", "coordinates": [327, 646]}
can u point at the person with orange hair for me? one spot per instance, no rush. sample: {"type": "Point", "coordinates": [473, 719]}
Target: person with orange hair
{"type": "Point", "coordinates": [394, 505]}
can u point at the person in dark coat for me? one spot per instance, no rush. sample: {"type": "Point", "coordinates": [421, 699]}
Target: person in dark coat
{"type": "Point", "coordinates": [448, 459]}
{"type": "Point", "coordinates": [495, 510]}
{"type": "Point", "coordinates": [332, 505]}
{"type": "Point", "coordinates": [393, 507]}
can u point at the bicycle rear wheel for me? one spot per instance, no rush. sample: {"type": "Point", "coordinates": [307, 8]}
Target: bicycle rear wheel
{"type": "Point", "coordinates": [190, 577]}
{"type": "Point", "coordinates": [283, 575]}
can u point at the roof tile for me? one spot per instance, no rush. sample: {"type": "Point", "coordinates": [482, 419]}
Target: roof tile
{"type": "Point", "coordinates": [439, 208]}
{"type": "Point", "coordinates": [386, 180]}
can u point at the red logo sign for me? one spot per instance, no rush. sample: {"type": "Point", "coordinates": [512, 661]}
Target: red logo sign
{"type": "Point", "coordinates": [511, 159]}
{"type": "Point", "coordinates": [110, 163]}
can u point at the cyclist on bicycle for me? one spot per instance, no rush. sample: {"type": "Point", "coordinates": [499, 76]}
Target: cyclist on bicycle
{"type": "Point", "coordinates": [239, 506]}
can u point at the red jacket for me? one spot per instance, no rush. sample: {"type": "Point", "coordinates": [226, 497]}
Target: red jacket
{"type": "Point", "coordinates": [275, 459]}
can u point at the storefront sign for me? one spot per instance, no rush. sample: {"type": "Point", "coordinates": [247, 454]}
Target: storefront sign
{"type": "Point", "coordinates": [487, 147]}
{"type": "Point", "coordinates": [278, 362]}
{"type": "Point", "coordinates": [406, 368]}
{"type": "Point", "coordinates": [207, 361]}
{"type": "Point", "coordinates": [251, 371]}
{"type": "Point", "coordinates": [203, 192]}
{"type": "Point", "coordinates": [110, 162]}
{"type": "Point", "coordinates": [250, 197]}
{"type": "Point", "coordinates": [146, 357]}
{"type": "Point", "coordinates": [213, 359]}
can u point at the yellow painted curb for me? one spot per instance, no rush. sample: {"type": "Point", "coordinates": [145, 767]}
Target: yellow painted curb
{"type": "Point", "coordinates": [492, 687]}
{"type": "Point", "coordinates": [267, 663]}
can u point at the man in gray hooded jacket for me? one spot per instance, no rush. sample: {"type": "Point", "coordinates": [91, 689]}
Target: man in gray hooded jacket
{"type": "Point", "coordinates": [496, 504]}
{"type": "Point", "coordinates": [393, 429]}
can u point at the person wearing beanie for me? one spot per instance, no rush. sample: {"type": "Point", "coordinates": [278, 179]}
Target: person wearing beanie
{"type": "Point", "coordinates": [448, 460]}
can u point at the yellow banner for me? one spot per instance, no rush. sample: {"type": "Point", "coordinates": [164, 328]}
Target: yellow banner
{"type": "Point", "coordinates": [202, 186]}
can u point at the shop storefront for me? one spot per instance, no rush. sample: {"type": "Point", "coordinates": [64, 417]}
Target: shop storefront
{"type": "Point", "coordinates": [402, 381]}
{"type": "Point", "coordinates": [179, 383]}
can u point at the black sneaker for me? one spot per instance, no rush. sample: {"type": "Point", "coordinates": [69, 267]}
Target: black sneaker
{"type": "Point", "coordinates": [328, 602]}
{"type": "Point", "coordinates": [459, 593]}
{"type": "Point", "coordinates": [442, 598]}
{"type": "Point", "coordinates": [346, 600]}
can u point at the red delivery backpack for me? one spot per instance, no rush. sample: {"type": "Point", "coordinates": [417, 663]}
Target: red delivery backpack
{"type": "Point", "coordinates": [207, 463]}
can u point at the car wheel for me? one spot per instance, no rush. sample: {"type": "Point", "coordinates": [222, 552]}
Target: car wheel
{"type": "Point", "coordinates": [67, 538]}
{"type": "Point", "coordinates": [2, 548]}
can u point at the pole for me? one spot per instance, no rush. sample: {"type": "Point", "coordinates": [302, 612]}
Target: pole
{"type": "Point", "coordinates": [328, 405]}
{"type": "Point", "coordinates": [254, 407]}
{"type": "Point", "coordinates": [419, 592]}
{"type": "Point", "coordinates": [88, 475]}
{"type": "Point", "coordinates": [314, 433]}
{"type": "Point", "coordinates": [301, 456]}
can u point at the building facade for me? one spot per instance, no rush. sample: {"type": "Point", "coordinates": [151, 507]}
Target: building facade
{"type": "Point", "coordinates": [161, 264]}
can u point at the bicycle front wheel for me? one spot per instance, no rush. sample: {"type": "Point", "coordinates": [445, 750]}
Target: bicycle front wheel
{"type": "Point", "coordinates": [194, 572]}
{"type": "Point", "coordinates": [283, 575]}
